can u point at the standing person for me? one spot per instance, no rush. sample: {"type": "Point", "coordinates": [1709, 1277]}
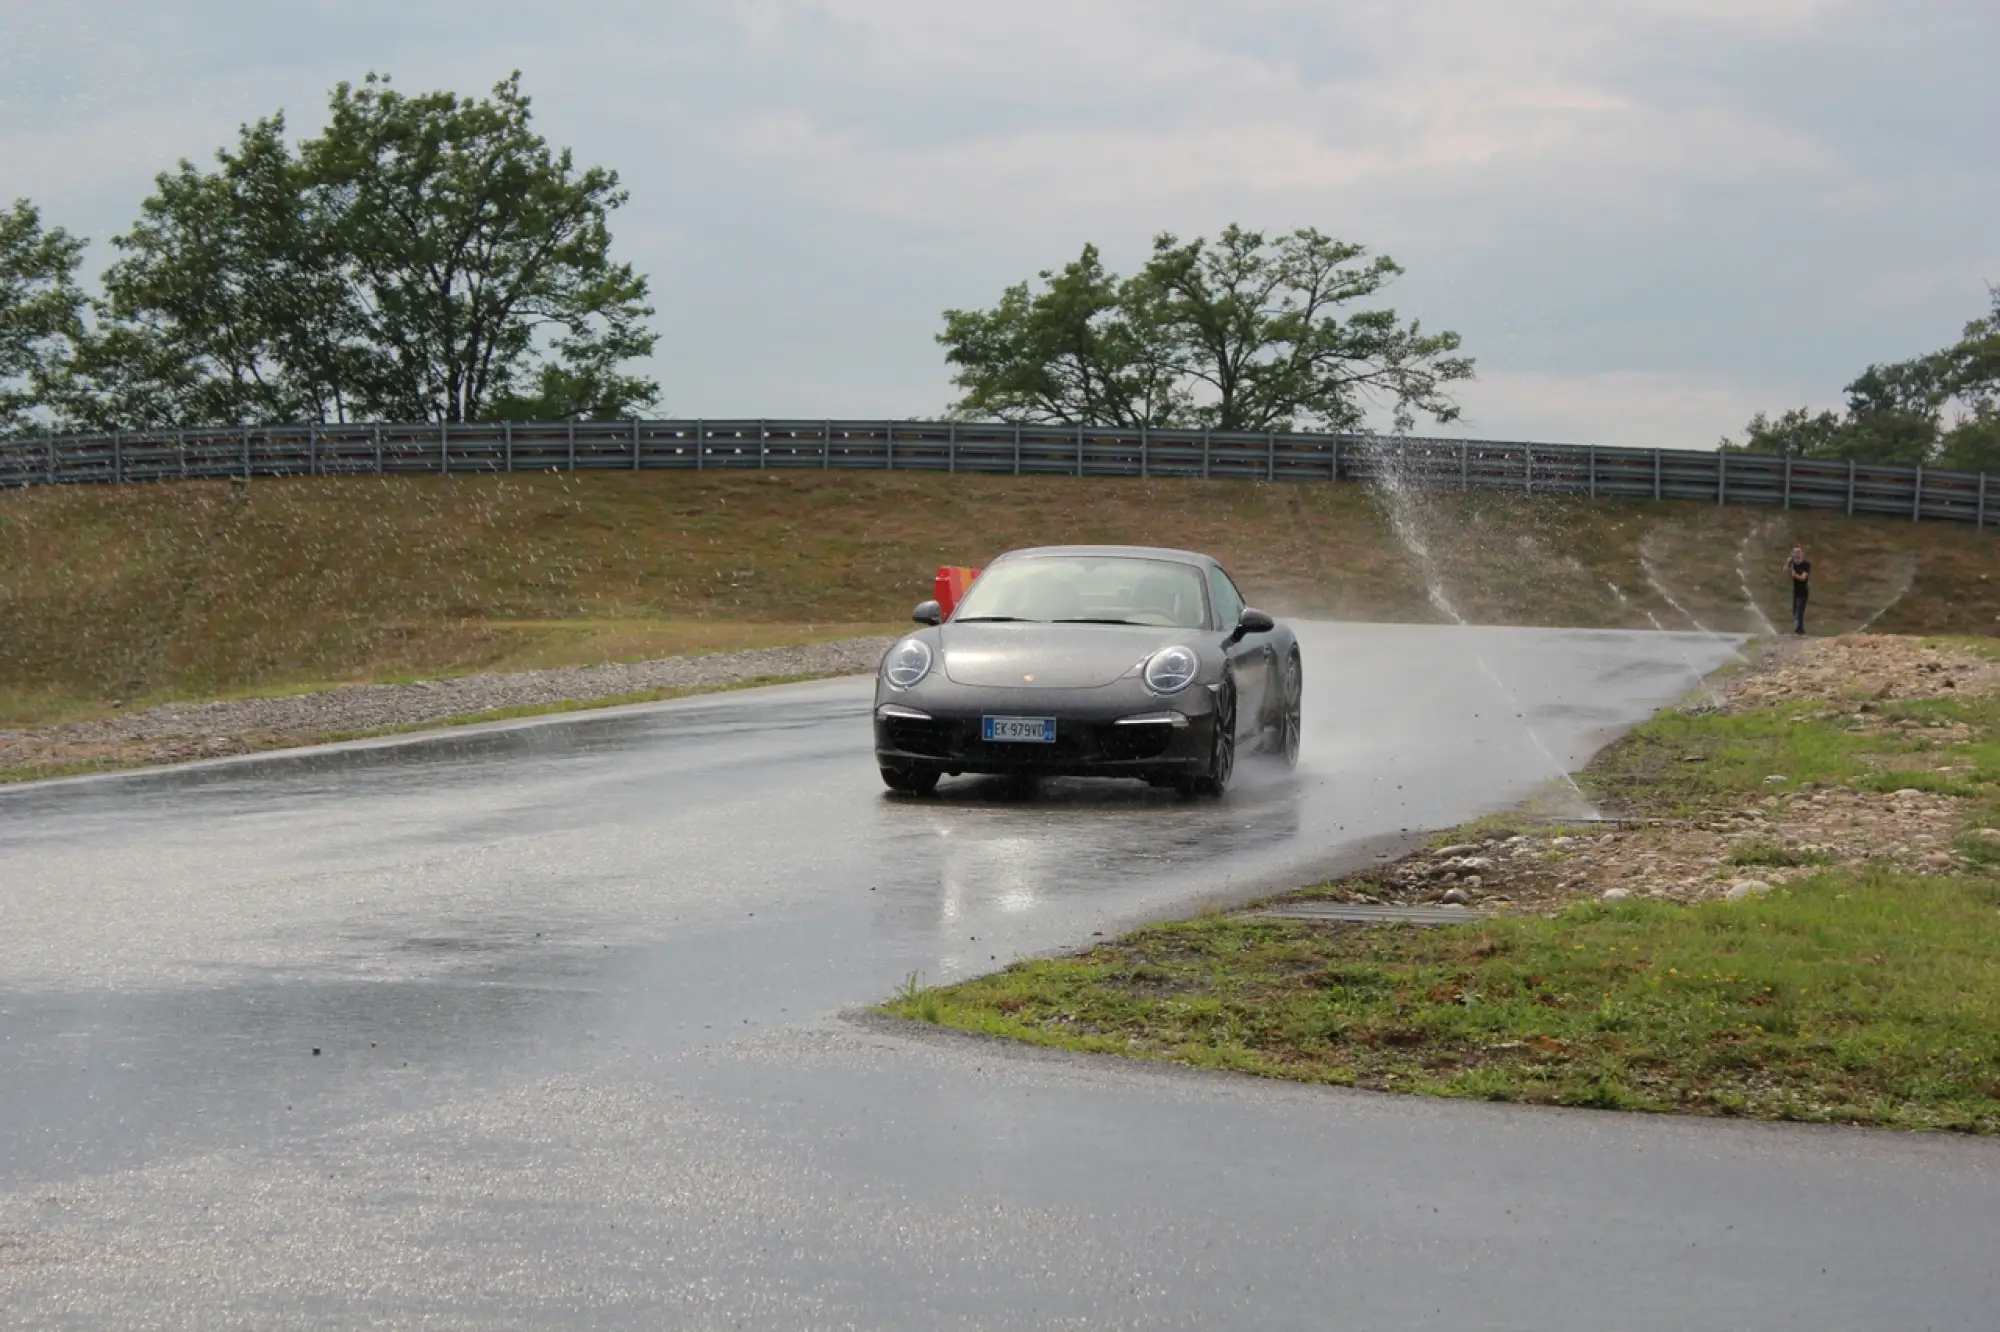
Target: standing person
{"type": "Point", "coordinates": [1800, 569]}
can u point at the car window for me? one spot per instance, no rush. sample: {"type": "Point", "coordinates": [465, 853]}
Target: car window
{"type": "Point", "coordinates": [1228, 601]}
{"type": "Point", "coordinates": [1119, 589]}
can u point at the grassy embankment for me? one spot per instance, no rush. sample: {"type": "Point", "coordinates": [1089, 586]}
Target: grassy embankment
{"type": "Point", "coordinates": [1863, 996]}
{"type": "Point", "coordinates": [178, 591]}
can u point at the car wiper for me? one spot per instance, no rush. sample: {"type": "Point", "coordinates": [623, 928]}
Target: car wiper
{"type": "Point", "coordinates": [991, 619]}
{"type": "Point", "coordinates": [1096, 621]}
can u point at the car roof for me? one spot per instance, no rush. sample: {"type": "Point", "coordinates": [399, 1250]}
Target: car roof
{"type": "Point", "coordinates": [1127, 552]}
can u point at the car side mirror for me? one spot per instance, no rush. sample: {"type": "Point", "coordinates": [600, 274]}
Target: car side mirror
{"type": "Point", "coordinates": [1251, 621]}
{"type": "Point", "coordinates": [927, 612]}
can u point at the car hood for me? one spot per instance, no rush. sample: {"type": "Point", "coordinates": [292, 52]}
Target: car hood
{"type": "Point", "coordinates": [1057, 656]}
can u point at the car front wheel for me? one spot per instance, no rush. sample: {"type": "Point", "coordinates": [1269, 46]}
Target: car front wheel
{"type": "Point", "coordinates": [910, 781]}
{"type": "Point", "coordinates": [1222, 749]}
{"type": "Point", "coordinates": [1292, 693]}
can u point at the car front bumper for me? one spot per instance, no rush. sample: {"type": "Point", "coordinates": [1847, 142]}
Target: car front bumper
{"type": "Point", "coordinates": [1114, 732]}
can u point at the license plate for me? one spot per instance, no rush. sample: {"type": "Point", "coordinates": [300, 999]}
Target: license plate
{"type": "Point", "coordinates": [1020, 730]}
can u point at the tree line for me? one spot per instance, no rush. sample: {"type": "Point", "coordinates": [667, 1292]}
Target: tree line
{"type": "Point", "coordinates": [1939, 409]}
{"type": "Point", "coordinates": [424, 257]}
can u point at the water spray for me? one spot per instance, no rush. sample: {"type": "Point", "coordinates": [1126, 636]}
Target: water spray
{"type": "Point", "coordinates": [1394, 480]}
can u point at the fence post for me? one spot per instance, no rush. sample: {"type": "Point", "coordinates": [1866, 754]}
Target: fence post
{"type": "Point", "coordinates": [1204, 455]}
{"type": "Point", "coordinates": [1979, 519]}
{"type": "Point", "coordinates": [1721, 477]}
{"type": "Point", "coordinates": [378, 453]}
{"type": "Point", "coordinates": [1917, 500]}
{"type": "Point", "coordinates": [951, 448]}
{"type": "Point", "coordinates": [51, 471]}
{"type": "Point", "coordinates": [1850, 487]}
{"type": "Point", "coordinates": [1464, 465]}
{"type": "Point", "coordinates": [1145, 468]}
{"type": "Point", "coordinates": [181, 453]}
{"type": "Point", "coordinates": [312, 450]}
{"type": "Point", "coordinates": [763, 445]}
{"type": "Point", "coordinates": [1270, 456]}
{"type": "Point", "coordinates": [444, 448]}
{"type": "Point", "coordinates": [825, 445]}
{"type": "Point", "coordinates": [1528, 467]}
{"type": "Point", "coordinates": [635, 443]}
{"type": "Point", "coordinates": [700, 442]}
{"type": "Point", "coordinates": [889, 442]}
{"type": "Point", "coordinates": [117, 459]}
{"type": "Point", "coordinates": [1017, 448]}
{"type": "Point", "coordinates": [1334, 467]}
{"type": "Point", "coordinates": [1656, 474]}
{"type": "Point", "coordinates": [507, 445]}
{"type": "Point", "coordinates": [1788, 481]}
{"type": "Point", "coordinates": [1079, 448]}
{"type": "Point", "coordinates": [1593, 471]}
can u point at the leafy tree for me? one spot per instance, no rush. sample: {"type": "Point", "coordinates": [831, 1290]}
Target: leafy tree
{"type": "Point", "coordinates": [1973, 445]}
{"type": "Point", "coordinates": [228, 304]}
{"type": "Point", "coordinates": [1798, 433]}
{"type": "Point", "coordinates": [1895, 412]}
{"type": "Point", "coordinates": [1237, 334]}
{"type": "Point", "coordinates": [468, 239]}
{"type": "Point", "coordinates": [426, 257]}
{"type": "Point", "coordinates": [41, 311]}
{"type": "Point", "coordinates": [1077, 352]}
{"type": "Point", "coordinates": [1970, 372]}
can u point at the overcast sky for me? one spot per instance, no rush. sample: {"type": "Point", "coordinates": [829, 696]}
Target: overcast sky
{"type": "Point", "coordinates": [1647, 219]}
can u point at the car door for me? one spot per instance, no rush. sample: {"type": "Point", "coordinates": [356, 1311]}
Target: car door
{"type": "Point", "coordinates": [1250, 657]}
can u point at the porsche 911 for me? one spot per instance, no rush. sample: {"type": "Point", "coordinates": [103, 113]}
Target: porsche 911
{"type": "Point", "coordinates": [1095, 661]}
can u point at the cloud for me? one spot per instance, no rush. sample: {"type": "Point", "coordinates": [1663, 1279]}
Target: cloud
{"type": "Point", "coordinates": [1648, 218]}
{"type": "Point", "coordinates": [1628, 408]}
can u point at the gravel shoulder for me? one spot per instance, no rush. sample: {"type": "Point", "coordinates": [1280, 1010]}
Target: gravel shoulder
{"type": "Point", "coordinates": [1849, 753]}
{"type": "Point", "coordinates": [179, 732]}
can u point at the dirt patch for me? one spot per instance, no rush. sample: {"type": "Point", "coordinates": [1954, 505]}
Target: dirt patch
{"type": "Point", "coordinates": [1778, 839]}
{"type": "Point", "coordinates": [1752, 843]}
{"type": "Point", "coordinates": [1876, 667]}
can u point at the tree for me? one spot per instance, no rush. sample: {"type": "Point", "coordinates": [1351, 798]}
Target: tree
{"type": "Point", "coordinates": [41, 312]}
{"type": "Point", "coordinates": [1239, 334]}
{"type": "Point", "coordinates": [228, 305]}
{"type": "Point", "coordinates": [468, 240]}
{"type": "Point", "coordinates": [1895, 412]}
{"type": "Point", "coordinates": [426, 257]}
{"type": "Point", "coordinates": [1798, 433]}
{"type": "Point", "coordinates": [1074, 353]}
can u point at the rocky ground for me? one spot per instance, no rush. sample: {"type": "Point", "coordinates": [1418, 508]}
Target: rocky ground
{"type": "Point", "coordinates": [1781, 835]}
{"type": "Point", "coordinates": [179, 732]}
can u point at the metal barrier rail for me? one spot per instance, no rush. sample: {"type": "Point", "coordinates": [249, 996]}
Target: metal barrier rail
{"type": "Point", "coordinates": [1598, 471]}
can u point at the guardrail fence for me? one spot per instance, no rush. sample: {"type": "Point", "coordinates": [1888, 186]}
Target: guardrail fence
{"type": "Point", "coordinates": [1917, 493]}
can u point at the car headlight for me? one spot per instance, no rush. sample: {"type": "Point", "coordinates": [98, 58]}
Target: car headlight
{"type": "Point", "coordinates": [1171, 670]}
{"type": "Point", "coordinates": [908, 662]}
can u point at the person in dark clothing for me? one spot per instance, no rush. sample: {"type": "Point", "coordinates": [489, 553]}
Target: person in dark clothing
{"type": "Point", "coordinates": [1800, 570]}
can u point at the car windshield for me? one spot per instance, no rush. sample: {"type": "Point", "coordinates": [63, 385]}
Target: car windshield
{"type": "Point", "coordinates": [1084, 589]}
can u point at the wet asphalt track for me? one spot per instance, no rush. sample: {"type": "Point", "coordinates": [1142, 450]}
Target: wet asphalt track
{"type": "Point", "coordinates": [576, 985]}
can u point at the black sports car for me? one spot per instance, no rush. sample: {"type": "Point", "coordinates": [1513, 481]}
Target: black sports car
{"type": "Point", "coordinates": [1110, 661]}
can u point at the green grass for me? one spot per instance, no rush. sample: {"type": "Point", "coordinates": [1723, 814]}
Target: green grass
{"type": "Point", "coordinates": [195, 590]}
{"type": "Point", "coordinates": [1759, 853]}
{"type": "Point", "coordinates": [1681, 764]}
{"type": "Point", "coordinates": [1871, 1000]}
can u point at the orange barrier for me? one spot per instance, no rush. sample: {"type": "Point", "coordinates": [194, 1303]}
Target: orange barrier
{"type": "Point", "coordinates": [952, 581]}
